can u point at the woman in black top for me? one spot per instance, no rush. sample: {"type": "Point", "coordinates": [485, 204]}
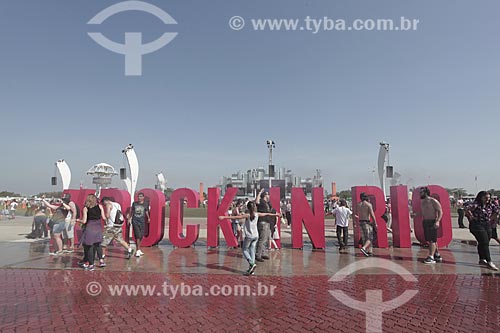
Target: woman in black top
{"type": "Point", "coordinates": [92, 236]}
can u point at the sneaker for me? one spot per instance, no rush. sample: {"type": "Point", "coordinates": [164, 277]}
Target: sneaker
{"type": "Point", "coordinates": [82, 263]}
{"type": "Point", "coordinates": [259, 259]}
{"type": "Point", "coordinates": [90, 268]}
{"type": "Point", "coordinates": [364, 252]}
{"type": "Point", "coordinates": [265, 257]}
{"type": "Point", "coordinates": [438, 258]}
{"type": "Point", "coordinates": [492, 266]}
{"type": "Point", "coordinates": [138, 254]}
{"type": "Point", "coordinates": [130, 252]}
{"type": "Point", "coordinates": [55, 253]}
{"type": "Point", "coordinates": [102, 264]}
{"type": "Point", "coordinates": [67, 251]}
{"type": "Point", "coordinates": [429, 260]}
{"type": "Point", "coordinates": [483, 262]}
{"type": "Point", "coordinates": [252, 268]}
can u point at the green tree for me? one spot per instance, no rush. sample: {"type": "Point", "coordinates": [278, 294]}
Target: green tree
{"type": "Point", "coordinates": [9, 194]}
{"type": "Point", "coordinates": [346, 194]}
{"type": "Point", "coordinates": [457, 192]}
{"type": "Point", "coordinates": [50, 194]}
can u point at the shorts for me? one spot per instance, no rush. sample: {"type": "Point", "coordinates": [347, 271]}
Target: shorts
{"type": "Point", "coordinates": [139, 229]}
{"type": "Point", "coordinates": [430, 232]}
{"type": "Point", "coordinates": [59, 227]}
{"type": "Point", "coordinates": [366, 231]}
{"type": "Point", "coordinates": [110, 234]}
{"type": "Point", "coordinates": [69, 231]}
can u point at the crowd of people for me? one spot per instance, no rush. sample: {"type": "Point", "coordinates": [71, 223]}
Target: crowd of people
{"type": "Point", "coordinates": [8, 209]}
{"type": "Point", "coordinates": [483, 215]}
{"type": "Point", "coordinates": [59, 217]}
{"type": "Point", "coordinates": [254, 224]}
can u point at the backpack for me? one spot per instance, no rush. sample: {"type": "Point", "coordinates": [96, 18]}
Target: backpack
{"type": "Point", "coordinates": [77, 211]}
{"type": "Point", "coordinates": [119, 218]}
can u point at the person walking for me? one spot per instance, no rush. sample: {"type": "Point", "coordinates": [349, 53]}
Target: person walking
{"type": "Point", "coordinates": [263, 225]}
{"type": "Point", "coordinates": [461, 213]}
{"type": "Point", "coordinates": [139, 216]}
{"type": "Point", "coordinates": [368, 228]}
{"type": "Point", "coordinates": [480, 213]}
{"type": "Point", "coordinates": [251, 233]}
{"type": "Point", "coordinates": [114, 225]}
{"type": "Point", "coordinates": [432, 214]}
{"type": "Point", "coordinates": [342, 214]}
{"type": "Point", "coordinates": [92, 214]}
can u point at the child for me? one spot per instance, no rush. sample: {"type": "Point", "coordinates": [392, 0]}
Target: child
{"type": "Point", "coordinates": [250, 232]}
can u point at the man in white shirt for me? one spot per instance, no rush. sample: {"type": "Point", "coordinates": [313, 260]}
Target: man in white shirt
{"type": "Point", "coordinates": [114, 225]}
{"type": "Point", "coordinates": [342, 215]}
{"type": "Point", "coordinates": [13, 208]}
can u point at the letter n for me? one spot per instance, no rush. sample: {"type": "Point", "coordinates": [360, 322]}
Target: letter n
{"type": "Point", "coordinates": [313, 219]}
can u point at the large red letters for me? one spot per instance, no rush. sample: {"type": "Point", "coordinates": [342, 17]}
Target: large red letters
{"type": "Point", "coordinates": [177, 218]}
{"type": "Point", "coordinates": [314, 220]}
{"type": "Point", "coordinates": [401, 230]}
{"type": "Point", "coordinates": [303, 215]}
{"type": "Point", "coordinates": [214, 211]}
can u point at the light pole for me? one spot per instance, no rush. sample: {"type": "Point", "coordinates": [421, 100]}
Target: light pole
{"type": "Point", "coordinates": [270, 145]}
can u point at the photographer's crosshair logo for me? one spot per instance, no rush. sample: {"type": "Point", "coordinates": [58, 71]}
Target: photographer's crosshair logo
{"type": "Point", "coordinates": [133, 49]}
{"type": "Point", "coordinates": [374, 305]}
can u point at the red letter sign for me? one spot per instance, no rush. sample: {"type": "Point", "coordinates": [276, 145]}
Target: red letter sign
{"type": "Point", "coordinates": [401, 231]}
{"type": "Point", "coordinates": [214, 211]}
{"type": "Point", "coordinates": [314, 220]}
{"type": "Point", "coordinates": [445, 232]}
{"type": "Point", "coordinates": [177, 217]}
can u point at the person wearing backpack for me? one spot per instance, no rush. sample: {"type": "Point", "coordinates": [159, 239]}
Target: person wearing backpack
{"type": "Point", "coordinates": [114, 225]}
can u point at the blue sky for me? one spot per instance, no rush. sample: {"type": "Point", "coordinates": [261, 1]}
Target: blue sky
{"type": "Point", "coordinates": [208, 101]}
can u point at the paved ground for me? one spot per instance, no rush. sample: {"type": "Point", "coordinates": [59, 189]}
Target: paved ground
{"type": "Point", "coordinates": [43, 293]}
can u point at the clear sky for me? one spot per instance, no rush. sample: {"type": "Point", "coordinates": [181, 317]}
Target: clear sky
{"type": "Point", "coordinates": [208, 101]}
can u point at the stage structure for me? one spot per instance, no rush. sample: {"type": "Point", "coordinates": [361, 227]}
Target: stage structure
{"type": "Point", "coordinates": [102, 174]}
